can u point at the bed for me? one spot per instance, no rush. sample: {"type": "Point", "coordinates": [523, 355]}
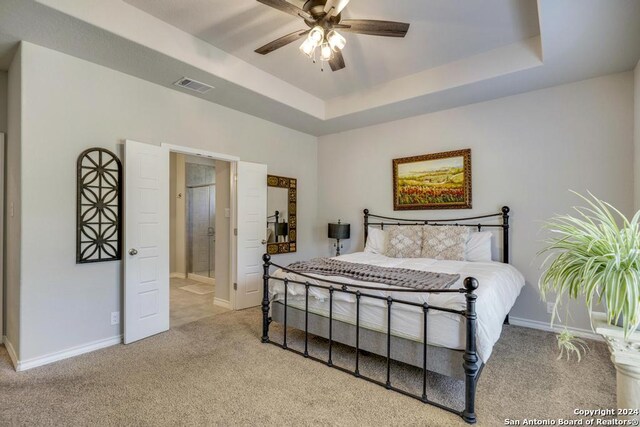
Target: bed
{"type": "Point", "coordinates": [449, 330]}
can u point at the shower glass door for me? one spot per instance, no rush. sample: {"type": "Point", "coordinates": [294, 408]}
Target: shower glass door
{"type": "Point", "coordinates": [201, 219]}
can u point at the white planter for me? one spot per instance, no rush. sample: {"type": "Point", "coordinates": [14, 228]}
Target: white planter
{"type": "Point", "coordinates": [625, 355]}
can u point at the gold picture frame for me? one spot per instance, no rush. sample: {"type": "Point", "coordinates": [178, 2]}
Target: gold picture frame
{"type": "Point", "coordinates": [433, 181]}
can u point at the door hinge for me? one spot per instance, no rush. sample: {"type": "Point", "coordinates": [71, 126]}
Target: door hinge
{"type": "Point", "coordinates": [235, 286]}
{"type": "Point", "coordinates": [235, 231]}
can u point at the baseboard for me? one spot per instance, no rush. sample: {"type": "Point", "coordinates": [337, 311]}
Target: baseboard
{"type": "Point", "coordinates": [201, 279]}
{"type": "Point", "coordinates": [545, 326]}
{"type": "Point", "coordinates": [11, 351]}
{"type": "Point", "coordinates": [222, 303]}
{"type": "Point", "coordinates": [177, 276]}
{"type": "Point", "coordinates": [23, 365]}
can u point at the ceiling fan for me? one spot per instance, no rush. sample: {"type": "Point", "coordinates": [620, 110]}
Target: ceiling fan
{"type": "Point", "coordinates": [323, 17]}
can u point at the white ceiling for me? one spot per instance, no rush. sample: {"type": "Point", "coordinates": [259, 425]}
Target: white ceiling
{"type": "Point", "coordinates": [579, 39]}
{"type": "Point", "coordinates": [441, 31]}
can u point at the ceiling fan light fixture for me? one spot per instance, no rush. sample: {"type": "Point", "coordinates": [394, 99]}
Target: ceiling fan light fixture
{"type": "Point", "coordinates": [322, 42]}
{"type": "Point", "coordinates": [326, 53]}
{"type": "Point", "coordinates": [308, 47]}
{"type": "Point", "coordinates": [336, 40]}
{"type": "Point", "coordinates": [316, 34]}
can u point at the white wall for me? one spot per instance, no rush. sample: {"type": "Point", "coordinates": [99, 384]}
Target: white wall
{"type": "Point", "coordinates": [13, 203]}
{"type": "Point", "coordinates": [636, 134]}
{"type": "Point", "coordinates": [527, 152]}
{"type": "Point", "coordinates": [79, 105]}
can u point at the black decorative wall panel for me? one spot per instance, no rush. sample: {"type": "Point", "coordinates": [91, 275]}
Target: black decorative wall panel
{"type": "Point", "coordinates": [99, 206]}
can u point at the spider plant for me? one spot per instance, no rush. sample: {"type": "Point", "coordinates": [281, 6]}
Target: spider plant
{"type": "Point", "coordinates": [595, 254]}
{"type": "Point", "coordinates": [568, 344]}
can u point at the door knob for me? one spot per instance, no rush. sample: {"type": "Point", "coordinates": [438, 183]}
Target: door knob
{"type": "Point", "coordinates": [133, 252]}
{"type": "Point", "coordinates": [264, 242]}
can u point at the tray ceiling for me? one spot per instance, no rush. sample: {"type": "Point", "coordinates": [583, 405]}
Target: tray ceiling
{"type": "Point", "coordinates": [458, 52]}
{"type": "Point", "coordinates": [442, 31]}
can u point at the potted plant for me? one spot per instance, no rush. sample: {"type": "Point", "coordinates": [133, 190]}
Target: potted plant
{"type": "Point", "coordinates": [595, 254]}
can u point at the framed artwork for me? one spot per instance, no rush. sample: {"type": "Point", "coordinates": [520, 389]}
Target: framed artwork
{"type": "Point", "coordinates": [433, 181]}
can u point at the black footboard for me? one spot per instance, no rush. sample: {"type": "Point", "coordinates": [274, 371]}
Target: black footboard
{"type": "Point", "coordinates": [470, 360]}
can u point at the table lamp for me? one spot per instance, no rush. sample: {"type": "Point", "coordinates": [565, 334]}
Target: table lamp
{"type": "Point", "coordinates": [339, 232]}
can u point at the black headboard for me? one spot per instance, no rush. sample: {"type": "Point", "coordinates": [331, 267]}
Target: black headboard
{"type": "Point", "coordinates": [486, 221]}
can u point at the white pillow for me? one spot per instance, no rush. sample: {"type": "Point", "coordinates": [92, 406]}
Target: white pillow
{"type": "Point", "coordinates": [479, 246]}
{"type": "Point", "coordinates": [376, 241]}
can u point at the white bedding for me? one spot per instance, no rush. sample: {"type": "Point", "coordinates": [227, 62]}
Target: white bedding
{"type": "Point", "coordinates": [499, 286]}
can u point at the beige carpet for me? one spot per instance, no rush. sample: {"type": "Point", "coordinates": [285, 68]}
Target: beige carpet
{"type": "Point", "coordinates": [216, 372]}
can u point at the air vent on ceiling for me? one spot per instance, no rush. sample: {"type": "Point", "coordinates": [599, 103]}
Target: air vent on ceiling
{"type": "Point", "coordinates": [193, 85]}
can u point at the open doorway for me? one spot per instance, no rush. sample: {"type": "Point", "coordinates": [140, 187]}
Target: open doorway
{"type": "Point", "coordinates": [148, 200]}
{"type": "Point", "coordinates": [200, 224]}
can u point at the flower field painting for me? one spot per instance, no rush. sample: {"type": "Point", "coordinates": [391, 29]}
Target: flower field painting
{"type": "Point", "coordinates": [433, 181]}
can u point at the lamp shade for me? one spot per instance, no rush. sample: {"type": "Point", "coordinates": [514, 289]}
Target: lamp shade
{"type": "Point", "coordinates": [339, 231]}
{"type": "Point", "coordinates": [282, 228]}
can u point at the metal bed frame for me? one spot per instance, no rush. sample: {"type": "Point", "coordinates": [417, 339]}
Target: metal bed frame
{"type": "Point", "coordinates": [471, 364]}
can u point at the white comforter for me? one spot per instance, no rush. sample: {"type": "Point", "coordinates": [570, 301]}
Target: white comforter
{"type": "Point", "coordinates": [499, 286]}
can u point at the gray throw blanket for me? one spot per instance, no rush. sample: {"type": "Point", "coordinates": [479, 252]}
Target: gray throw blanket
{"type": "Point", "coordinates": [416, 279]}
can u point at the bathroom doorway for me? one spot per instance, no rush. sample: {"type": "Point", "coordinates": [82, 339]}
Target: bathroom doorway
{"type": "Point", "coordinates": [200, 245]}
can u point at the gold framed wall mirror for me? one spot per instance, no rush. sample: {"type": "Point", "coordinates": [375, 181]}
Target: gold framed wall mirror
{"type": "Point", "coordinates": [282, 196]}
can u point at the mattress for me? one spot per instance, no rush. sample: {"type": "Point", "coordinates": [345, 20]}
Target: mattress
{"type": "Point", "coordinates": [498, 287]}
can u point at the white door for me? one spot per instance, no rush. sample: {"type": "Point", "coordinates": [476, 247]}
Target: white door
{"type": "Point", "coordinates": [251, 193]}
{"type": "Point", "coordinates": [146, 250]}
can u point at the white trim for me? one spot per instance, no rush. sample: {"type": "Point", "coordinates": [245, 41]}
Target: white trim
{"type": "Point", "coordinates": [202, 279]}
{"type": "Point", "coordinates": [545, 326]}
{"type": "Point", "coordinates": [202, 153]}
{"type": "Point", "coordinates": [177, 276]}
{"type": "Point", "coordinates": [11, 351]}
{"type": "Point", "coordinates": [23, 365]}
{"type": "Point", "coordinates": [222, 303]}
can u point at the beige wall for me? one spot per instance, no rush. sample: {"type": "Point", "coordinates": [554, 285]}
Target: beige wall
{"type": "Point", "coordinates": [172, 211]}
{"type": "Point", "coordinates": [13, 197]}
{"type": "Point", "coordinates": [63, 304]}
{"type": "Point", "coordinates": [223, 228]}
{"type": "Point", "coordinates": [177, 203]}
{"type": "Point", "coordinates": [527, 152]}
{"type": "Point", "coordinates": [4, 81]}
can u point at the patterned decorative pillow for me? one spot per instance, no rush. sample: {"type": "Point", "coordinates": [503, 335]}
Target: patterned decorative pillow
{"type": "Point", "coordinates": [404, 241]}
{"type": "Point", "coordinates": [444, 242]}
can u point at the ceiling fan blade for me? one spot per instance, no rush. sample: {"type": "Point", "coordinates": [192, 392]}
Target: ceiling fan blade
{"type": "Point", "coordinates": [286, 7]}
{"type": "Point", "coordinates": [375, 28]}
{"type": "Point", "coordinates": [282, 41]}
{"type": "Point", "coordinates": [334, 7]}
{"type": "Point", "coordinates": [337, 62]}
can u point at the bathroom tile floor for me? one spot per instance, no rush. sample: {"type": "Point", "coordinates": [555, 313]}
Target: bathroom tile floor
{"type": "Point", "coordinates": [187, 307]}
